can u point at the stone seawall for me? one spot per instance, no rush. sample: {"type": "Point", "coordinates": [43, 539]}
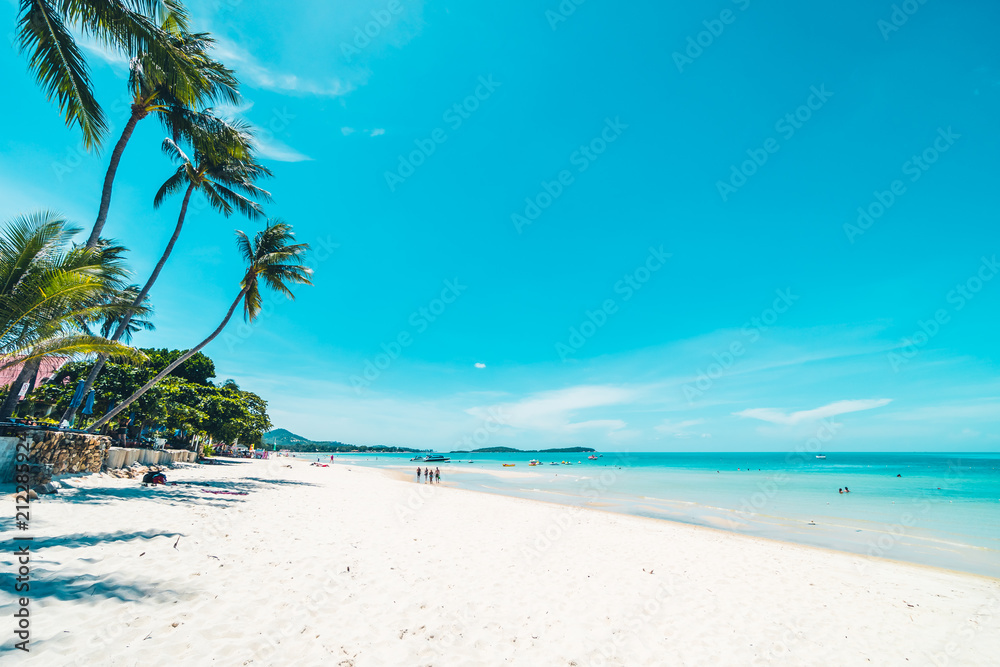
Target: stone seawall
{"type": "Point", "coordinates": [65, 451]}
{"type": "Point", "coordinates": [62, 452]}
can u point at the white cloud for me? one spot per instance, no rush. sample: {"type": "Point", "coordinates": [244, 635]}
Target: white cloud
{"type": "Point", "coordinates": [775, 416]}
{"type": "Point", "coordinates": [480, 365]}
{"type": "Point", "coordinates": [258, 75]}
{"type": "Point", "coordinates": [378, 131]}
{"type": "Point", "coordinates": [681, 429]}
{"type": "Point", "coordinates": [346, 130]}
{"type": "Point", "coordinates": [553, 410]}
{"type": "Point", "coordinates": [604, 424]}
{"type": "Point", "coordinates": [282, 152]}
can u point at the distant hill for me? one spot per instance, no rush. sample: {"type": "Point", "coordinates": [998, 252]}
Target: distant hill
{"type": "Point", "coordinates": [284, 439]}
{"type": "Point", "coordinates": [511, 450]}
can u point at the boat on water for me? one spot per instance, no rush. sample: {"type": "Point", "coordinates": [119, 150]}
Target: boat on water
{"type": "Point", "coordinates": [592, 457]}
{"type": "Point", "coordinates": [821, 456]}
{"type": "Point", "coordinates": [553, 463]}
{"type": "Point", "coordinates": [509, 465]}
{"type": "Point", "coordinates": [436, 458]}
{"type": "Point", "coordinates": [534, 462]}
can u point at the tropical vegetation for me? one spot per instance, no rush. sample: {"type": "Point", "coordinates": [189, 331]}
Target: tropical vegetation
{"type": "Point", "coordinates": [187, 403]}
{"type": "Point", "coordinates": [61, 297]}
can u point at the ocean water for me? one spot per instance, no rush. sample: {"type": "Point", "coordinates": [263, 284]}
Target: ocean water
{"type": "Point", "coordinates": [934, 509]}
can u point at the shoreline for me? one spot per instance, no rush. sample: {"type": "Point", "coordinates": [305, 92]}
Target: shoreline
{"type": "Point", "coordinates": [861, 539]}
{"type": "Point", "coordinates": [399, 476]}
{"type": "Point", "coordinates": [346, 565]}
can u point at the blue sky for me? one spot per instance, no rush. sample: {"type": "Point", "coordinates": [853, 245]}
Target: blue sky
{"type": "Point", "coordinates": [620, 237]}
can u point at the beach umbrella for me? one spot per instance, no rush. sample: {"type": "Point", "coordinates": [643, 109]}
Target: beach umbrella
{"type": "Point", "coordinates": [77, 395]}
{"type": "Point", "coordinates": [88, 409]}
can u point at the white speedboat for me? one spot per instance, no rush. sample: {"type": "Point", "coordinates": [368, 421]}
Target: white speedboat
{"type": "Point", "coordinates": [436, 458]}
{"type": "Point", "coordinates": [821, 456]}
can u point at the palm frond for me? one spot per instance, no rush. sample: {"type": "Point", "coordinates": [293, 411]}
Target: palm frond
{"type": "Point", "coordinates": [60, 68]}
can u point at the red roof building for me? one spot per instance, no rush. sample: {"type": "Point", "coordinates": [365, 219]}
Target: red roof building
{"type": "Point", "coordinates": [50, 366]}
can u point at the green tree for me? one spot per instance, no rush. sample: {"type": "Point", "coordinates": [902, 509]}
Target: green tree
{"type": "Point", "coordinates": [272, 258]}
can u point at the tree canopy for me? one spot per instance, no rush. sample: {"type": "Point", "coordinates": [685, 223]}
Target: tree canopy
{"type": "Point", "coordinates": [187, 399]}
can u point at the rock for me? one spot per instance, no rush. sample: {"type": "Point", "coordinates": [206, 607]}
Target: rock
{"type": "Point", "coordinates": [48, 487]}
{"type": "Point", "coordinates": [32, 495]}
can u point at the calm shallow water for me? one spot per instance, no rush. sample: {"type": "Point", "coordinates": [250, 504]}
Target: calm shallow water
{"type": "Point", "coordinates": [942, 509]}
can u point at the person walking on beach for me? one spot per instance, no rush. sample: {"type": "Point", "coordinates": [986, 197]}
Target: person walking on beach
{"type": "Point", "coordinates": [437, 475]}
{"type": "Point", "coordinates": [418, 473]}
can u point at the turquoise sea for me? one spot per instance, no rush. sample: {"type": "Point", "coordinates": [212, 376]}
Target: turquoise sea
{"type": "Point", "coordinates": [935, 509]}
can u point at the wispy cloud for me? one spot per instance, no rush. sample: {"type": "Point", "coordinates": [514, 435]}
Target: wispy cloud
{"type": "Point", "coordinates": [279, 151]}
{"type": "Point", "coordinates": [682, 429]}
{"type": "Point", "coordinates": [267, 144]}
{"type": "Point", "coordinates": [775, 416]}
{"type": "Point", "coordinates": [377, 132]}
{"type": "Point", "coordinates": [258, 75]}
{"type": "Point", "coordinates": [554, 410]}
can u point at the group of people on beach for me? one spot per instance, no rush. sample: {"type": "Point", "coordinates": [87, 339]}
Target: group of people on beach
{"type": "Point", "coordinates": [430, 475]}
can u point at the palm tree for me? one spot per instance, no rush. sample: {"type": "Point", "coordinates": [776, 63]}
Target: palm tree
{"type": "Point", "coordinates": [173, 96]}
{"type": "Point", "coordinates": [46, 289]}
{"type": "Point", "coordinates": [223, 167]}
{"type": "Point", "coordinates": [134, 317]}
{"type": "Point", "coordinates": [271, 257]}
{"type": "Point", "coordinates": [44, 32]}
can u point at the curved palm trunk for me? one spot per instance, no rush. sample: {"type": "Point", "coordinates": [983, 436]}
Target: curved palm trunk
{"type": "Point", "coordinates": [123, 325]}
{"type": "Point", "coordinates": [109, 178]}
{"type": "Point", "coordinates": [166, 371]}
{"type": "Point", "coordinates": [28, 371]}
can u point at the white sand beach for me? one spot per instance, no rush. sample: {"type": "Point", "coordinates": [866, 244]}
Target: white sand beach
{"type": "Point", "coordinates": [351, 566]}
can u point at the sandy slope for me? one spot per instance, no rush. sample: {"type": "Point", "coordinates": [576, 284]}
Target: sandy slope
{"type": "Point", "coordinates": [339, 566]}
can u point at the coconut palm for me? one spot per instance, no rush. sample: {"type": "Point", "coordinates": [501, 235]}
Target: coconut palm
{"type": "Point", "coordinates": [174, 96]}
{"type": "Point", "coordinates": [272, 258]}
{"type": "Point", "coordinates": [45, 33]}
{"type": "Point", "coordinates": [134, 316]}
{"type": "Point", "coordinates": [46, 288]}
{"type": "Point", "coordinates": [223, 167]}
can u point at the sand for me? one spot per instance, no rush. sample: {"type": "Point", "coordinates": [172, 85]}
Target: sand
{"type": "Point", "coordinates": [350, 566]}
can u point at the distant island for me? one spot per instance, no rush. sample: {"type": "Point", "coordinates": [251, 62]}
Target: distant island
{"type": "Point", "coordinates": [511, 450]}
{"type": "Point", "coordinates": [281, 438]}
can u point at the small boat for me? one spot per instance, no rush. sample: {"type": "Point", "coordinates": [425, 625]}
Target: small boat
{"type": "Point", "coordinates": [534, 462]}
{"type": "Point", "coordinates": [417, 458]}
{"type": "Point", "coordinates": [821, 456]}
{"type": "Point", "coordinates": [509, 465]}
{"type": "Point", "coordinates": [592, 457]}
{"type": "Point", "coordinates": [553, 464]}
{"type": "Point", "coordinates": [436, 458]}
